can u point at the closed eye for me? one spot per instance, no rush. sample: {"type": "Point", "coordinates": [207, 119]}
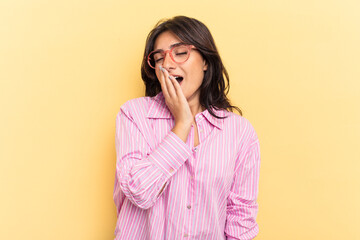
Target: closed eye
{"type": "Point", "coordinates": [182, 53]}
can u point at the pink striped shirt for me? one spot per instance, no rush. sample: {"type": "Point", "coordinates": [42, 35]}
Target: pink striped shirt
{"type": "Point", "coordinates": [210, 190]}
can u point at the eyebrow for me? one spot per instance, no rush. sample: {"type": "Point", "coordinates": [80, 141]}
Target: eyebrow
{"type": "Point", "coordinates": [171, 46]}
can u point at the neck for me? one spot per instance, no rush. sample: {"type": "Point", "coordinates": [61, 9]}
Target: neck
{"type": "Point", "coordinates": [195, 108]}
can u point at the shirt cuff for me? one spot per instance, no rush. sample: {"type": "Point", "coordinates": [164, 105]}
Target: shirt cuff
{"type": "Point", "coordinates": [170, 155]}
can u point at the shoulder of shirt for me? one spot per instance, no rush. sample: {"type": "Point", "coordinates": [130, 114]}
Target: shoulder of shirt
{"type": "Point", "coordinates": [238, 119]}
{"type": "Point", "coordinates": [138, 106]}
{"type": "Point", "coordinates": [136, 102]}
{"type": "Point", "coordinates": [241, 124]}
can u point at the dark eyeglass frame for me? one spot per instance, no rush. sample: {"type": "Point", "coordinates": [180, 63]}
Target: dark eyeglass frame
{"type": "Point", "coordinates": [164, 52]}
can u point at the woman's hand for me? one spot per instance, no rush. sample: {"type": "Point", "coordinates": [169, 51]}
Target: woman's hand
{"type": "Point", "coordinates": [177, 104]}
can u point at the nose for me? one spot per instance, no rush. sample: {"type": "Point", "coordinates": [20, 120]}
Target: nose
{"type": "Point", "coordinates": [168, 62]}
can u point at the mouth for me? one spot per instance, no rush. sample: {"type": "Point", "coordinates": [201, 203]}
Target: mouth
{"type": "Point", "coordinates": [178, 78]}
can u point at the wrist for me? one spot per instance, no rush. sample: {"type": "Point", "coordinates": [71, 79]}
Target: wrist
{"type": "Point", "coordinates": [182, 130]}
{"type": "Point", "coordinates": [183, 125]}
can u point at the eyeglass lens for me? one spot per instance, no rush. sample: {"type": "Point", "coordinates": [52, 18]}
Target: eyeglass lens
{"type": "Point", "coordinates": [179, 54]}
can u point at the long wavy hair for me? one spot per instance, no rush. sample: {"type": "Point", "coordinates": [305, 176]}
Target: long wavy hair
{"type": "Point", "coordinates": [213, 90]}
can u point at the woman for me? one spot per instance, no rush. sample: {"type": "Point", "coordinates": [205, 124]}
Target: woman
{"type": "Point", "coordinates": [187, 167]}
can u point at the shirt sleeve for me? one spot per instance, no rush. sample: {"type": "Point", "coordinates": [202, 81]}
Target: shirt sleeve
{"type": "Point", "coordinates": [242, 204]}
{"type": "Point", "coordinates": [142, 173]}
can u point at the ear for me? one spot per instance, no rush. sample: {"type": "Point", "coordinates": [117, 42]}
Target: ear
{"type": "Point", "coordinates": [205, 66]}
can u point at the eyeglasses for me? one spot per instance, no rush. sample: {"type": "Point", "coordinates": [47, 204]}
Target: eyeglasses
{"type": "Point", "coordinates": [179, 53]}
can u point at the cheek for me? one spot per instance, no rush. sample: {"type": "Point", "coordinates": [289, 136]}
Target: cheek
{"type": "Point", "coordinates": [157, 73]}
{"type": "Point", "coordinates": [198, 75]}
{"type": "Point", "coordinates": [196, 70]}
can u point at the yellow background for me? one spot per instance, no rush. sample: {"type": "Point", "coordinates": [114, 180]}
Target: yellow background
{"type": "Point", "coordinates": [67, 66]}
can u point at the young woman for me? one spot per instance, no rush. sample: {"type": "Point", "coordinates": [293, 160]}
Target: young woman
{"type": "Point", "coordinates": [187, 167]}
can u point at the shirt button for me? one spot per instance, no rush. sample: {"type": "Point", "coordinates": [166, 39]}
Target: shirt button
{"type": "Point", "coordinates": [186, 235]}
{"type": "Point", "coordinates": [188, 206]}
{"type": "Point", "coordinates": [195, 149]}
{"type": "Point", "coordinates": [171, 170]}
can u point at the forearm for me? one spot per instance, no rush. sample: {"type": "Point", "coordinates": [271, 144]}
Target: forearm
{"type": "Point", "coordinates": [142, 178]}
{"type": "Point", "coordinates": [140, 181]}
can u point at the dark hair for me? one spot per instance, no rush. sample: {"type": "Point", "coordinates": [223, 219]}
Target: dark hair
{"type": "Point", "coordinates": [213, 89]}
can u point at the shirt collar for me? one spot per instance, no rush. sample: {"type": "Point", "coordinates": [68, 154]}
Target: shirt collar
{"type": "Point", "coordinates": [217, 122]}
{"type": "Point", "coordinates": [158, 109]}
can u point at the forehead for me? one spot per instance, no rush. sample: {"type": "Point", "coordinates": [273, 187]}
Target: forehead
{"type": "Point", "coordinates": [165, 40]}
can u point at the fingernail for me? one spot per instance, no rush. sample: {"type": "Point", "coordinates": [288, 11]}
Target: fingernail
{"type": "Point", "coordinates": [170, 78]}
{"type": "Point", "coordinates": [160, 68]}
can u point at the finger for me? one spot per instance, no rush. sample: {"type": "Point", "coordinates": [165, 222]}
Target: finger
{"type": "Point", "coordinates": [163, 84]}
{"type": "Point", "coordinates": [177, 87]}
{"type": "Point", "coordinates": [169, 84]}
{"type": "Point", "coordinates": [178, 90]}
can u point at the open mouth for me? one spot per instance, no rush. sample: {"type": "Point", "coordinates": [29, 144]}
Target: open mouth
{"type": "Point", "coordinates": [178, 78]}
